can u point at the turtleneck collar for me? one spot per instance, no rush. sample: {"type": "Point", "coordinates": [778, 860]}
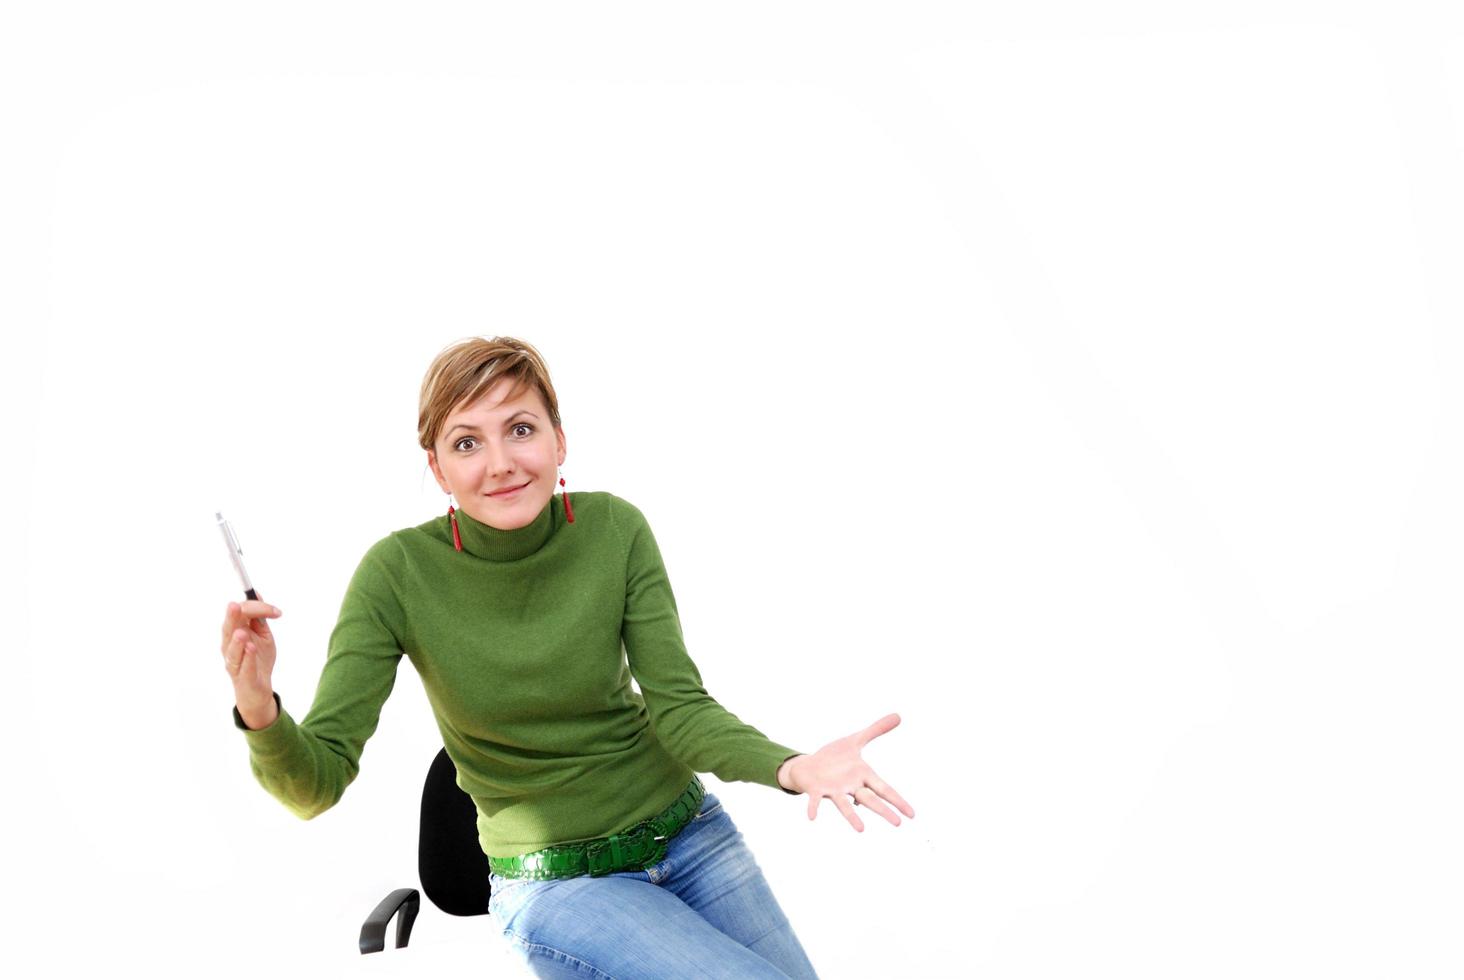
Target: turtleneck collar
{"type": "Point", "coordinates": [484, 541]}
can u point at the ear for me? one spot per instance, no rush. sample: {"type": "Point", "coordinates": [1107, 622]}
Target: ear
{"type": "Point", "coordinates": [437, 471]}
{"type": "Point", "coordinates": [563, 449]}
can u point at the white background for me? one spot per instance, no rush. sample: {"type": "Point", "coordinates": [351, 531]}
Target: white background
{"type": "Point", "coordinates": [1082, 384]}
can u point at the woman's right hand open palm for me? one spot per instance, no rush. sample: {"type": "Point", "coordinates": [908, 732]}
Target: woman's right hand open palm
{"type": "Point", "coordinates": [249, 654]}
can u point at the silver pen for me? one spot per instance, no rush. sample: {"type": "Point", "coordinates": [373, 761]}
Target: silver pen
{"type": "Point", "coordinates": [236, 554]}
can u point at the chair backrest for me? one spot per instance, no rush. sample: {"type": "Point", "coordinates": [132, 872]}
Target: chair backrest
{"type": "Point", "coordinates": [450, 861]}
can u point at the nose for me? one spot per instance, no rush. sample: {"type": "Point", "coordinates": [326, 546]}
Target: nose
{"type": "Point", "coordinates": [500, 461]}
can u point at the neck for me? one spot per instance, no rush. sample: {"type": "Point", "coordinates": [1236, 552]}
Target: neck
{"type": "Point", "coordinates": [493, 544]}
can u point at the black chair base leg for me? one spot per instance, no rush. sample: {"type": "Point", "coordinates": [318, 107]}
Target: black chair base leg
{"type": "Point", "coordinates": [403, 903]}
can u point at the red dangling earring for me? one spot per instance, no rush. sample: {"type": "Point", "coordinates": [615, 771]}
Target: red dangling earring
{"type": "Point", "coordinates": [457, 541]}
{"type": "Point", "coordinates": [568, 510]}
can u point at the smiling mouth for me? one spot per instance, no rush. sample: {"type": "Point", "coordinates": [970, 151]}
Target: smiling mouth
{"type": "Point", "coordinates": [504, 493]}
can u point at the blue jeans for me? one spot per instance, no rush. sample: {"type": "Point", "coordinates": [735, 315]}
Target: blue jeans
{"type": "Point", "coordinates": [705, 911]}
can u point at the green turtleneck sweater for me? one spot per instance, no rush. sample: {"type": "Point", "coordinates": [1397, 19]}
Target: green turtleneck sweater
{"type": "Point", "coordinates": [526, 642]}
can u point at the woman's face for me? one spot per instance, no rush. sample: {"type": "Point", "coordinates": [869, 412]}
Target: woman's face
{"type": "Point", "coordinates": [494, 445]}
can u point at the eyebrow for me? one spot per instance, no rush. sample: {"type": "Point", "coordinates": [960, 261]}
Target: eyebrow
{"type": "Point", "coordinates": [474, 428]}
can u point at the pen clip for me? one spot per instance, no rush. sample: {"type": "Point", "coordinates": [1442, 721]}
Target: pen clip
{"type": "Point", "coordinates": [236, 554]}
{"type": "Point", "coordinates": [229, 538]}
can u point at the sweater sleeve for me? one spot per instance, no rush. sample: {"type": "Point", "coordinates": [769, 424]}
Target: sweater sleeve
{"type": "Point", "coordinates": [688, 721]}
{"type": "Point", "coordinates": [307, 766]}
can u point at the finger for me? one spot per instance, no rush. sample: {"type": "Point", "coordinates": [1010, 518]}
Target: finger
{"type": "Point", "coordinates": [231, 615]}
{"type": "Point", "coordinates": [847, 809]}
{"type": "Point", "coordinates": [245, 641]}
{"type": "Point", "coordinates": [234, 655]}
{"type": "Point", "coordinates": [258, 609]}
{"type": "Point", "coordinates": [813, 802]}
{"type": "Point", "coordinates": [888, 792]}
{"type": "Point", "coordinates": [260, 627]}
{"type": "Point", "coordinates": [865, 797]}
{"type": "Point", "coordinates": [874, 731]}
{"type": "Point", "coordinates": [251, 612]}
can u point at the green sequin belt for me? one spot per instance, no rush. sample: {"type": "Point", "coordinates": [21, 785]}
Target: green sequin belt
{"type": "Point", "coordinates": [632, 849]}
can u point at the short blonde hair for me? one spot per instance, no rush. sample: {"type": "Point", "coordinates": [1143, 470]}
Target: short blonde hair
{"type": "Point", "coordinates": [464, 371]}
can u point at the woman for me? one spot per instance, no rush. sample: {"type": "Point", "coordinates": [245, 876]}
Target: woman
{"type": "Point", "coordinates": [526, 616]}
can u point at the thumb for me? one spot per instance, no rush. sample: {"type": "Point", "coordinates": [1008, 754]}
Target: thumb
{"type": "Point", "coordinates": [878, 728]}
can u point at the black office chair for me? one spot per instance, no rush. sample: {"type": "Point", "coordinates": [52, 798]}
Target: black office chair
{"type": "Point", "coordinates": [450, 861]}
